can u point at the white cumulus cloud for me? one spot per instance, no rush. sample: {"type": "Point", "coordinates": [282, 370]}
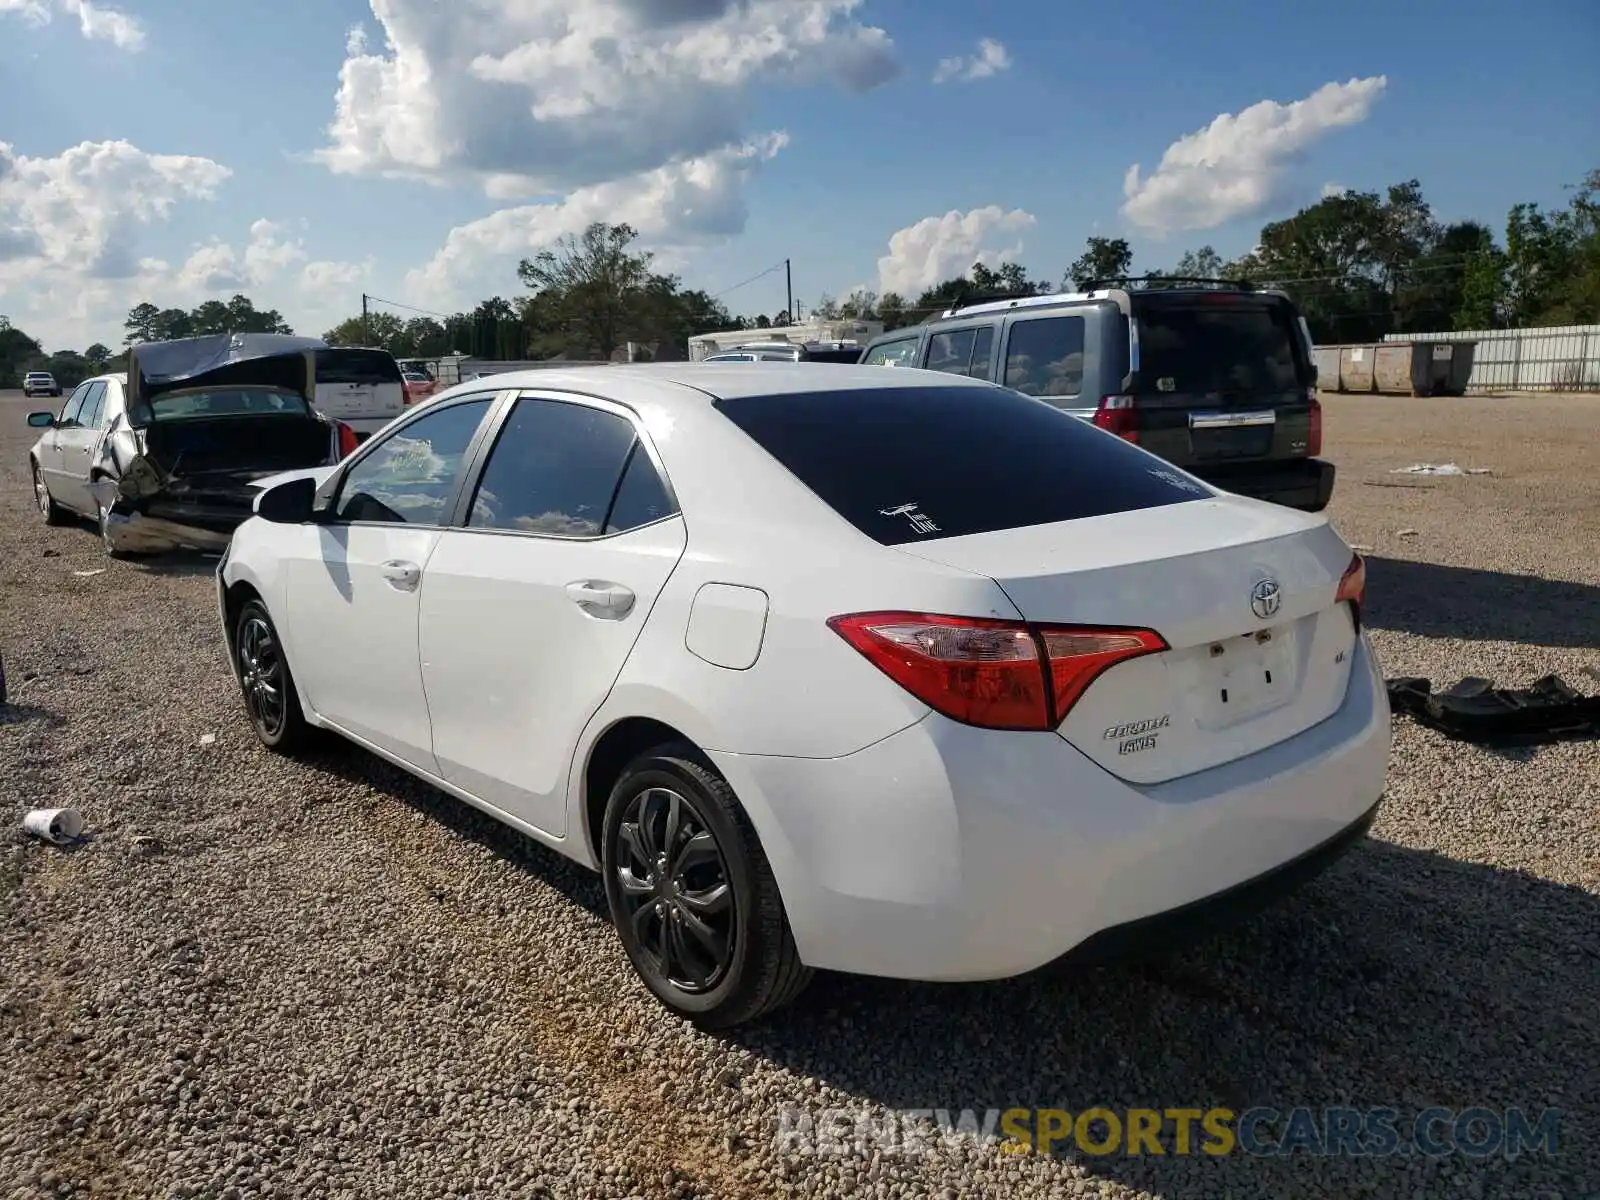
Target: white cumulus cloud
{"type": "Point", "coordinates": [684, 204]}
{"type": "Point", "coordinates": [70, 259]}
{"type": "Point", "coordinates": [95, 21]}
{"type": "Point", "coordinates": [1235, 166]}
{"type": "Point", "coordinates": [991, 59]}
{"type": "Point", "coordinates": [939, 248]}
{"type": "Point", "coordinates": [541, 96]}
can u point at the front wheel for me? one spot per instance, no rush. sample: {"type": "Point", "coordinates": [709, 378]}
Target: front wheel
{"type": "Point", "coordinates": [264, 679]}
{"type": "Point", "coordinates": [692, 895]}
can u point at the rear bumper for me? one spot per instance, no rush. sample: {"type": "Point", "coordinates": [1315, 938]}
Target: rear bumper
{"type": "Point", "coordinates": [951, 853]}
{"type": "Point", "coordinates": [1303, 483]}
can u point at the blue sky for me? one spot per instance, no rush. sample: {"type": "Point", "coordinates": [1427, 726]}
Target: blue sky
{"type": "Point", "coordinates": [169, 151]}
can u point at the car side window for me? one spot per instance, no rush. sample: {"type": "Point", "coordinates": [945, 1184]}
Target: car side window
{"type": "Point", "coordinates": [641, 496]}
{"type": "Point", "coordinates": [892, 354]}
{"type": "Point", "coordinates": [982, 353]}
{"type": "Point", "coordinates": [93, 405]}
{"type": "Point", "coordinates": [410, 475]}
{"type": "Point", "coordinates": [951, 351]}
{"type": "Point", "coordinates": [72, 410]}
{"type": "Point", "coordinates": [554, 470]}
{"type": "Point", "coordinates": [1044, 357]}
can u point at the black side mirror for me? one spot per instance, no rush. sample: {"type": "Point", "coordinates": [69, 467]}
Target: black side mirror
{"type": "Point", "coordinates": [288, 503]}
{"type": "Point", "coordinates": [41, 420]}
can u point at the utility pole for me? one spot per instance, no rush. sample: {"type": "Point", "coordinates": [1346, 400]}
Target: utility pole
{"type": "Point", "coordinates": [366, 329]}
{"type": "Point", "coordinates": [788, 279]}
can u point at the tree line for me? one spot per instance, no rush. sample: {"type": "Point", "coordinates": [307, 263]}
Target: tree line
{"type": "Point", "coordinates": [1359, 265]}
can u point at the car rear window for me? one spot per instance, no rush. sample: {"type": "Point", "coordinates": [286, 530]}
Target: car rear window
{"type": "Point", "coordinates": [910, 464]}
{"type": "Point", "coordinates": [241, 403]}
{"type": "Point", "coordinates": [357, 366]}
{"type": "Point", "coordinates": [1217, 347]}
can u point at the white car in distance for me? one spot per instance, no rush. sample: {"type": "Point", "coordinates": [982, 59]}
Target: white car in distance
{"type": "Point", "coordinates": [974, 688]}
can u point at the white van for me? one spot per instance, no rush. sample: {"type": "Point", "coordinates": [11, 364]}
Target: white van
{"type": "Point", "coordinates": [361, 387]}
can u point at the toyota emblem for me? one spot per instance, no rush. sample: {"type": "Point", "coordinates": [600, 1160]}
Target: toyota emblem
{"type": "Point", "coordinates": [1265, 598]}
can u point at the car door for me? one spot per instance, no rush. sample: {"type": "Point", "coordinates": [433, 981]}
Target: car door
{"type": "Point", "coordinates": [353, 579]}
{"type": "Point", "coordinates": [531, 608]}
{"type": "Point", "coordinates": [80, 449]}
{"type": "Point", "coordinates": [68, 476]}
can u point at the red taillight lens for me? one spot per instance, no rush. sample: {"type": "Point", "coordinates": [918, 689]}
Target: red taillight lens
{"type": "Point", "coordinates": [990, 673]}
{"type": "Point", "coordinates": [1353, 587]}
{"type": "Point", "coordinates": [1314, 435]}
{"type": "Point", "coordinates": [1117, 415]}
{"type": "Point", "coordinates": [347, 440]}
{"type": "Point", "coordinates": [1080, 656]}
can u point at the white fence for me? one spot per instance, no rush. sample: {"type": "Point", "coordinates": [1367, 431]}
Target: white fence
{"type": "Point", "coordinates": [1564, 359]}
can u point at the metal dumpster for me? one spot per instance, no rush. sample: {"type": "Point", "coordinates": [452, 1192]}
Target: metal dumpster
{"type": "Point", "coordinates": [1423, 368]}
{"type": "Point", "coordinates": [1355, 368]}
{"type": "Point", "coordinates": [1327, 360]}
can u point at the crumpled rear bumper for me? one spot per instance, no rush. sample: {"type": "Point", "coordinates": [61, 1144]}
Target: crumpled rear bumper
{"type": "Point", "coordinates": [129, 530]}
{"type": "Point", "coordinates": [136, 533]}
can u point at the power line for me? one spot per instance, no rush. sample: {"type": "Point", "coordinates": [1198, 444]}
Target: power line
{"type": "Point", "coordinates": [769, 271]}
{"type": "Point", "coordinates": [427, 312]}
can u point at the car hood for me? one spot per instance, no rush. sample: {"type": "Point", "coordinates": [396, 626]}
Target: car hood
{"type": "Point", "coordinates": [222, 360]}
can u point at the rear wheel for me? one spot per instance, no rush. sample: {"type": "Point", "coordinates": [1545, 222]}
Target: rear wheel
{"type": "Point", "coordinates": [264, 679]}
{"type": "Point", "coordinates": [52, 512]}
{"type": "Point", "coordinates": [692, 895]}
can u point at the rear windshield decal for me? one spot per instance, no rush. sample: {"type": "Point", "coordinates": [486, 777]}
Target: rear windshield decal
{"type": "Point", "coordinates": [920, 522]}
{"type": "Point", "coordinates": [1177, 481]}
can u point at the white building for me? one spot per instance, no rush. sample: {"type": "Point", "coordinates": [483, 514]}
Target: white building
{"type": "Point", "coordinates": [844, 330]}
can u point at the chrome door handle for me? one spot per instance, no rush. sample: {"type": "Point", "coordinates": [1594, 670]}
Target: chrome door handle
{"type": "Point", "coordinates": [403, 576]}
{"type": "Point", "coordinates": [601, 599]}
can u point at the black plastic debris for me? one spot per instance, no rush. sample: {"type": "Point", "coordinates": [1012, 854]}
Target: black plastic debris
{"type": "Point", "coordinates": [1474, 710]}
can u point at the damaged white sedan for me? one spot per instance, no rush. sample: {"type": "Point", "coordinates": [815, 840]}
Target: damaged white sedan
{"type": "Point", "coordinates": [165, 456]}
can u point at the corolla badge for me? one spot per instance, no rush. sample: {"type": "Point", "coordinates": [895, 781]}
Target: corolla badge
{"type": "Point", "coordinates": [1266, 598]}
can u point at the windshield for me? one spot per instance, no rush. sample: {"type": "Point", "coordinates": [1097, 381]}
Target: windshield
{"type": "Point", "coordinates": [237, 402]}
{"type": "Point", "coordinates": [357, 366]}
{"type": "Point", "coordinates": [932, 462]}
{"type": "Point", "coordinates": [1217, 348]}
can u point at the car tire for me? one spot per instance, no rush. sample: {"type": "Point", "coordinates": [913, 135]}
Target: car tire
{"type": "Point", "coordinates": [705, 929]}
{"type": "Point", "coordinates": [52, 512]}
{"type": "Point", "coordinates": [265, 683]}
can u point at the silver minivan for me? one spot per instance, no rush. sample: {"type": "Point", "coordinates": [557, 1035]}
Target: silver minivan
{"type": "Point", "coordinates": [361, 387]}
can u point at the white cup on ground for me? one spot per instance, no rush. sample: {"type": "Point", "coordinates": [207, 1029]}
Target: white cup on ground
{"type": "Point", "coordinates": [58, 825]}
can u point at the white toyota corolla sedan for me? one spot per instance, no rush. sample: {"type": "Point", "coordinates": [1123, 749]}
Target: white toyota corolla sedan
{"type": "Point", "coordinates": [823, 666]}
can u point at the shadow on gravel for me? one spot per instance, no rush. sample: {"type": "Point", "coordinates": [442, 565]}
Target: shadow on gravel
{"type": "Point", "coordinates": [355, 765]}
{"type": "Point", "coordinates": [1399, 979]}
{"type": "Point", "coordinates": [30, 714]}
{"type": "Point", "coordinates": [1463, 602]}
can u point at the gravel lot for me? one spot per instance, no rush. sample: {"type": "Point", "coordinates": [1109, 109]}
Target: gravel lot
{"type": "Point", "coordinates": [326, 979]}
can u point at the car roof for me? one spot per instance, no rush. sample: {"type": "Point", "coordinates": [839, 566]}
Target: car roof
{"type": "Point", "coordinates": [696, 384]}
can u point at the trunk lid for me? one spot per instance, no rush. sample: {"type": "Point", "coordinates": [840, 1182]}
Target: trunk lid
{"type": "Point", "coordinates": [221, 361]}
{"type": "Point", "coordinates": [1222, 377]}
{"type": "Point", "coordinates": [1233, 681]}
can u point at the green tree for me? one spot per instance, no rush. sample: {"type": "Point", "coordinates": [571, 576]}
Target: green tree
{"type": "Point", "coordinates": [1204, 263]}
{"type": "Point", "coordinates": [98, 355]}
{"type": "Point", "coordinates": [1103, 258]}
{"type": "Point", "coordinates": [141, 324]}
{"type": "Point", "coordinates": [172, 323]}
{"type": "Point", "coordinates": [211, 317]}
{"type": "Point", "coordinates": [892, 311]}
{"type": "Point", "coordinates": [382, 330]}
{"type": "Point", "coordinates": [595, 287]}
{"type": "Point", "coordinates": [19, 354]}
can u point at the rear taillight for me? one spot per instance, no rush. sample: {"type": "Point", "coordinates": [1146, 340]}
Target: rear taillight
{"type": "Point", "coordinates": [989, 673]}
{"type": "Point", "coordinates": [1353, 587]}
{"type": "Point", "coordinates": [1117, 415]}
{"type": "Point", "coordinates": [348, 440]}
{"type": "Point", "coordinates": [1314, 433]}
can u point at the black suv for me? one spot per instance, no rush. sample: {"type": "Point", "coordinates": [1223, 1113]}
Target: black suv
{"type": "Point", "coordinates": [1214, 376]}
